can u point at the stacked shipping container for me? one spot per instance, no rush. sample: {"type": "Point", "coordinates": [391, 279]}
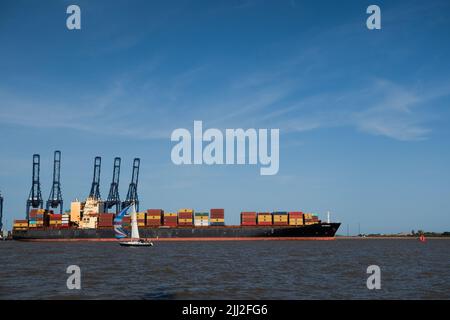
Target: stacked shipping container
{"type": "Point", "coordinates": [280, 218]}
{"type": "Point", "coordinates": [185, 217]}
{"type": "Point", "coordinates": [154, 217]}
{"type": "Point", "coordinates": [55, 220]}
{"type": "Point", "coordinates": [310, 218]}
{"type": "Point", "coordinates": [201, 219]}
{"type": "Point", "coordinates": [248, 218]}
{"type": "Point", "coordinates": [20, 225]}
{"type": "Point", "coordinates": [65, 220]}
{"type": "Point", "coordinates": [217, 217]}
{"type": "Point", "coordinates": [37, 218]}
{"type": "Point", "coordinates": [264, 219]}
{"type": "Point", "coordinates": [295, 218]}
{"type": "Point", "coordinates": [170, 219]}
{"type": "Point", "coordinates": [140, 216]}
{"type": "Point", "coordinates": [105, 220]}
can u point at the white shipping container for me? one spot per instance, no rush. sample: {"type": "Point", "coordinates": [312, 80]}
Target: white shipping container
{"type": "Point", "coordinates": [201, 223]}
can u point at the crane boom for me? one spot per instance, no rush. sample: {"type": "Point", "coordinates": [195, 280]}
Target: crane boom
{"type": "Point", "coordinates": [35, 197]}
{"type": "Point", "coordinates": [95, 187]}
{"type": "Point", "coordinates": [132, 196]}
{"type": "Point", "coordinates": [113, 196]}
{"type": "Point", "coordinates": [55, 198]}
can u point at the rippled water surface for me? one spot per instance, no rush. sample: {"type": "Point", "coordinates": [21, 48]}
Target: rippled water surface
{"type": "Point", "coordinates": [227, 270]}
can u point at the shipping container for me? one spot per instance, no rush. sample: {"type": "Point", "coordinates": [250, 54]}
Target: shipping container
{"type": "Point", "coordinates": [185, 218]}
{"type": "Point", "coordinates": [154, 217]}
{"type": "Point", "coordinates": [280, 213]}
{"type": "Point", "coordinates": [248, 218]}
{"type": "Point", "coordinates": [154, 212]}
{"type": "Point", "coordinates": [170, 214]}
{"type": "Point", "coordinates": [217, 213]}
{"type": "Point", "coordinates": [264, 218]}
{"type": "Point", "coordinates": [170, 219]}
{"type": "Point", "coordinates": [216, 217]}
{"type": "Point", "coordinates": [296, 222]}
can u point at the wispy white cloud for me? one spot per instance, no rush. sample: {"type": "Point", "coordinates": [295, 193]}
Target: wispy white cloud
{"type": "Point", "coordinates": [380, 108]}
{"type": "Point", "coordinates": [397, 112]}
{"type": "Point", "coordinates": [97, 116]}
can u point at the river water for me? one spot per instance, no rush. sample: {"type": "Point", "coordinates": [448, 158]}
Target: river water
{"type": "Point", "coordinates": [227, 270]}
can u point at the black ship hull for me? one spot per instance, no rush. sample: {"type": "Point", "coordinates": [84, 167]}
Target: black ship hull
{"type": "Point", "coordinates": [319, 231]}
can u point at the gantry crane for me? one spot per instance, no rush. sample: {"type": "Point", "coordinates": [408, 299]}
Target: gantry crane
{"type": "Point", "coordinates": [55, 199]}
{"type": "Point", "coordinates": [35, 197]}
{"type": "Point", "coordinates": [113, 196]}
{"type": "Point", "coordinates": [132, 196]}
{"type": "Point", "coordinates": [95, 188]}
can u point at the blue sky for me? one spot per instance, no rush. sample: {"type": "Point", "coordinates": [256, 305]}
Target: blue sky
{"type": "Point", "coordinates": [363, 115]}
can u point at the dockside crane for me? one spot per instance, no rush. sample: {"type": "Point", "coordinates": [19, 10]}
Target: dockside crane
{"type": "Point", "coordinates": [55, 199]}
{"type": "Point", "coordinates": [113, 196]}
{"type": "Point", "coordinates": [95, 188]}
{"type": "Point", "coordinates": [132, 196]}
{"type": "Point", "coordinates": [1, 214]}
{"type": "Point", "coordinates": [35, 197]}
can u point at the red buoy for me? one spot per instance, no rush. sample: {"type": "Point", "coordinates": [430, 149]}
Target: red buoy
{"type": "Point", "coordinates": [422, 238]}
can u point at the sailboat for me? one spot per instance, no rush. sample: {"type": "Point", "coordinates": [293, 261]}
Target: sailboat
{"type": "Point", "coordinates": [121, 233]}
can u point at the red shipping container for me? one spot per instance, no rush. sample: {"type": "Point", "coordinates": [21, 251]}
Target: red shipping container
{"type": "Point", "coordinates": [106, 215]}
{"type": "Point", "coordinates": [153, 223]}
{"type": "Point", "coordinates": [106, 218]}
{"type": "Point", "coordinates": [217, 212]}
{"type": "Point", "coordinates": [172, 224]}
{"type": "Point", "coordinates": [216, 215]}
{"type": "Point", "coordinates": [155, 212]}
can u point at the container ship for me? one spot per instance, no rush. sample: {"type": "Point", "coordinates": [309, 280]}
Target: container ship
{"type": "Point", "coordinates": [186, 224]}
{"type": "Point", "coordinates": [90, 220]}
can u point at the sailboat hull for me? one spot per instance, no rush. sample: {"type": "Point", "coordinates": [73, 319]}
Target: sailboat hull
{"type": "Point", "coordinates": [135, 244]}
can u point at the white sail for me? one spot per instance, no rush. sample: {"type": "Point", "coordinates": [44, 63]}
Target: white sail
{"type": "Point", "coordinates": [134, 225]}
